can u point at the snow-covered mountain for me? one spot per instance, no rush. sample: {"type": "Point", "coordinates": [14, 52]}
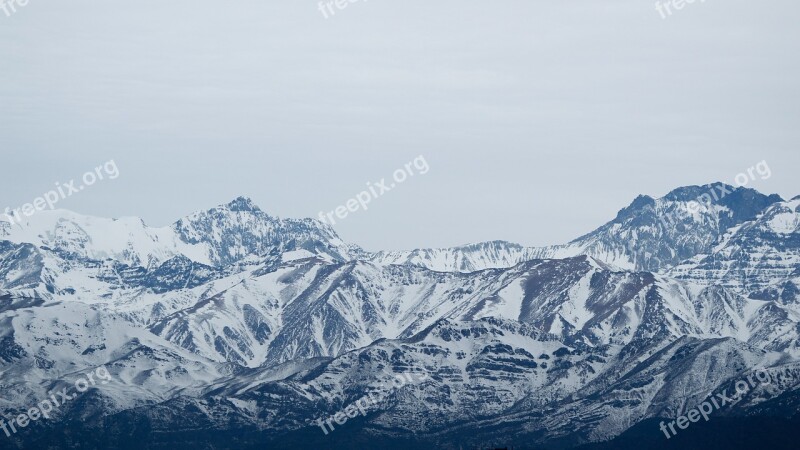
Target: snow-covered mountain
{"type": "Point", "coordinates": [234, 324]}
{"type": "Point", "coordinates": [656, 234]}
{"type": "Point", "coordinates": [650, 234]}
{"type": "Point", "coordinates": [218, 237]}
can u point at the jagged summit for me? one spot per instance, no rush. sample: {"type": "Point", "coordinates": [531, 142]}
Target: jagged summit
{"type": "Point", "coordinates": [242, 204]}
{"type": "Point", "coordinates": [693, 192]}
{"type": "Point", "coordinates": [640, 202]}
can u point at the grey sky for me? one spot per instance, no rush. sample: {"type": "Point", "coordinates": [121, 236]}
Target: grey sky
{"type": "Point", "coordinates": [539, 120]}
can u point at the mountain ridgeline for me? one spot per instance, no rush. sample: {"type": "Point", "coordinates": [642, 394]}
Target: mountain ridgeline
{"type": "Point", "coordinates": [233, 328]}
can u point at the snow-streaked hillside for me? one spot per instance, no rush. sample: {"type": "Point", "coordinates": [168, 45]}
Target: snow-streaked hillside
{"type": "Point", "coordinates": [753, 255]}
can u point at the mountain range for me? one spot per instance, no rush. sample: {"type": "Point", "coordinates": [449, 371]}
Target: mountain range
{"type": "Point", "coordinates": [233, 328]}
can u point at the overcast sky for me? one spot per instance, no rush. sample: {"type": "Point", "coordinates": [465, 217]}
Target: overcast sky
{"type": "Point", "coordinates": [538, 120]}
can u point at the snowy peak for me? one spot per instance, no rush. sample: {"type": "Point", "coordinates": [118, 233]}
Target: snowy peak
{"type": "Point", "coordinates": [232, 232]}
{"type": "Point", "coordinates": [657, 234]}
{"type": "Point", "coordinates": [218, 237]}
{"type": "Point", "coordinates": [639, 203]}
{"type": "Point", "coordinates": [242, 204]}
{"type": "Point", "coordinates": [128, 240]}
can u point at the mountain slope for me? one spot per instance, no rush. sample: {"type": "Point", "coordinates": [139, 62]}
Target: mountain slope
{"type": "Point", "coordinates": [754, 254]}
